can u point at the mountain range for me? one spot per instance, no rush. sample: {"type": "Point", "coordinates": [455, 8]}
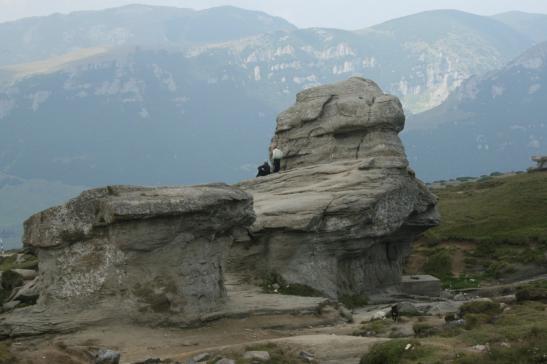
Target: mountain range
{"type": "Point", "coordinates": [493, 122]}
{"type": "Point", "coordinates": [157, 95]}
{"type": "Point", "coordinates": [39, 38]}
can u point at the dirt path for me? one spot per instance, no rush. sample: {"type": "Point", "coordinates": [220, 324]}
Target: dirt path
{"type": "Point", "coordinates": [251, 317]}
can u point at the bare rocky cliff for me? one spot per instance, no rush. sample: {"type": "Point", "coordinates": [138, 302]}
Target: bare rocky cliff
{"type": "Point", "coordinates": [132, 254]}
{"type": "Point", "coordinates": [342, 214]}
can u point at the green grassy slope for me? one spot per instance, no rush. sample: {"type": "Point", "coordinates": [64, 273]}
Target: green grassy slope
{"type": "Point", "coordinates": [511, 209]}
{"type": "Point", "coordinates": [492, 229]}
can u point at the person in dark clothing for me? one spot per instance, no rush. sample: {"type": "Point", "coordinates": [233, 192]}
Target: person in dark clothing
{"type": "Point", "coordinates": [395, 313]}
{"type": "Point", "coordinates": [264, 170]}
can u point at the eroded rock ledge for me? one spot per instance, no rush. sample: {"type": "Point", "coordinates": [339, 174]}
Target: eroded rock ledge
{"type": "Point", "coordinates": [342, 214]}
{"type": "Point", "coordinates": [133, 253]}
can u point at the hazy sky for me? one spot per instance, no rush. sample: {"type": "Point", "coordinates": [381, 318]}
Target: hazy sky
{"type": "Point", "coordinates": [346, 14]}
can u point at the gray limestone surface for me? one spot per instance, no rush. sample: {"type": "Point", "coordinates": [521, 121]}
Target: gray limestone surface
{"type": "Point", "coordinates": [148, 254]}
{"type": "Point", "coordinates": [342, 214]}
{"type": "Point", "coordinates": [421, 285]}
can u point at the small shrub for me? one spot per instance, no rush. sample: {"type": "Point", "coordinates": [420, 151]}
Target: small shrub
{"type": "Point", "coordinates": [293, 289]}
{"type": "Point", "coordinates": [482, 307]}
{"type": "Point", "coordinates": [373, 328]}
{"type": "Point", "coordinates": [393, 352]}
{"type": "Point", "coordinates": [479, 312]}
{"type": "Point", "coordinates": [460, 283]}
{"type": "Point", "coordinates": [532, 292]}
{"type": "Point", "coordinates": [449, 317]}
{"type": "Point", "coordinates": [422, 329]}
{"type": "Point", "coordinates": [499, 269]}
{"type": "Point", "coordinates": [25, 261]}
{"type": "Point", "coordinates": [531, 349]}
{"type": "Point", "coordinates": [5, 356]}
{"type": "Point", "coordinates": [439, 265]}
{"type": "Point", "coordinates": [465, 179]}
{"type": "Point", "coordinates": [473, 320]}
{"type": "Point", "coordinates": [485, 249]}
{"type": "Point", "coordinates": [353, 301]}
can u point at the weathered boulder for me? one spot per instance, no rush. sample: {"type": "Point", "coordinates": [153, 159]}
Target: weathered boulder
{"type": "Point", "coordinates": [342, 214]}
{"type": "Point", "coordinates": [145, 253]}
{"type": "Point", "coordinates": [27, 294]}
{"type": "Point", "coordinates": [421, 285]}
{"type": "Point", "coordinates": [349, 120]}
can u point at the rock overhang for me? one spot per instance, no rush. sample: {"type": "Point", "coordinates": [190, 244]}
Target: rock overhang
{"type": "Point", "coordinates": [96, 209]}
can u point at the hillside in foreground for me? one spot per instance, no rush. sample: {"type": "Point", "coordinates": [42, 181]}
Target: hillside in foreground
{"type": "Point", "coordinates": [493, 229]}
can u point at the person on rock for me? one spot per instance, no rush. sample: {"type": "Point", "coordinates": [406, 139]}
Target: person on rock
{"type": "Point", "coordinates": [264, 170]}
{"type": "Point", "coordinates": [277, 155]}
{"type": "Point", "coordinates": [395, 313]}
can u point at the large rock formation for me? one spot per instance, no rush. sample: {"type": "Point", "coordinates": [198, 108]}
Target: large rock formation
{"type": "Point", "coordinates": [143, 253]}
{"type": "Point", "coordinates": [341, 215]}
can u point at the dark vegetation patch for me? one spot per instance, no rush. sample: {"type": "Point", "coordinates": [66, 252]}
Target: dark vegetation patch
{"type": "Point", "coordinates": [11, 280]}
{"type": "Point", "coordinates": [275, 283]}
{"type": "Point", "coordinates": [353, 301]}
{"type": "Point", "coordinates": [439, 264]}
{"type": "Point", "coordinates": [5, 355]}
{"type": "Point", "coordinates": [395, 352]}
{"type": "Point", "coordinates": [536, 291]}
{"type": "Point", "coordinates": [374, 328]}
{"type": "Point", "coordinates": [424, 329]}
{"type": "Point", "coordinates": [27, 261]}
{"type": "Point", "coordinates": [531, 349]}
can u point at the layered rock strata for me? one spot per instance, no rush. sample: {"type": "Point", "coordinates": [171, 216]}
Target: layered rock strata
{"type": "Point", "coordinates": [342, 214]}
{"type": "Point", "coordinates": [145, 252]}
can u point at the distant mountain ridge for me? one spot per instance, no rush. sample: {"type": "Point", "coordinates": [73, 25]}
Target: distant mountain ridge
{"type": "Point", "coordinates": [492, 122]}
{"type": "Point", "coordinates": [38, 38]}
{"type": "Point", "coordinates": [532, 25]}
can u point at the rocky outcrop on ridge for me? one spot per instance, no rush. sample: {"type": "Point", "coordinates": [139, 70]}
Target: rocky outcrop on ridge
{"type": "Point", "coordinates": [342, 214]}
{"type": "Point", "coordinates": [144, 254]}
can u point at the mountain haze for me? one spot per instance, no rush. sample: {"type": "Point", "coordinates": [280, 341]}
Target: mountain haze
{"type": "Point", "coordinates": [533, 26]}
{"type": "Point", "coordinates": [492, 122]}
{"type": "Point", "coordinates": [40, 38]}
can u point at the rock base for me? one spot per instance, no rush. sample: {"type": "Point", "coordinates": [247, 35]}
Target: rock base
{"type": "Point", "coordinates": [421, 285]}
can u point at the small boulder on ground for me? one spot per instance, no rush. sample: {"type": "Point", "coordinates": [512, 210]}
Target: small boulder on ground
{"type": "Point", "coordinates": [11, 280]}
{"type": "Point", "coordinates": [27, 274]}
{"type": "Point", "coordinates": [306, 357]}
{"type": "Point", "coordinates": [27, 294]}
{"type": "Point", "coordinates": [260, 356]}
{"type": "Point", "coordinates": [407, 309]}
{"type": "Point", "coordinates": [107, 356]}
{"type": "Point", "coordinates": [225, 361]}
{"type": "Point", "coordinates": [203, 357]}
{"type": "Point", "coordinates": [532, 292]}
{"type": "Point", "coordinates": [345, 313]}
